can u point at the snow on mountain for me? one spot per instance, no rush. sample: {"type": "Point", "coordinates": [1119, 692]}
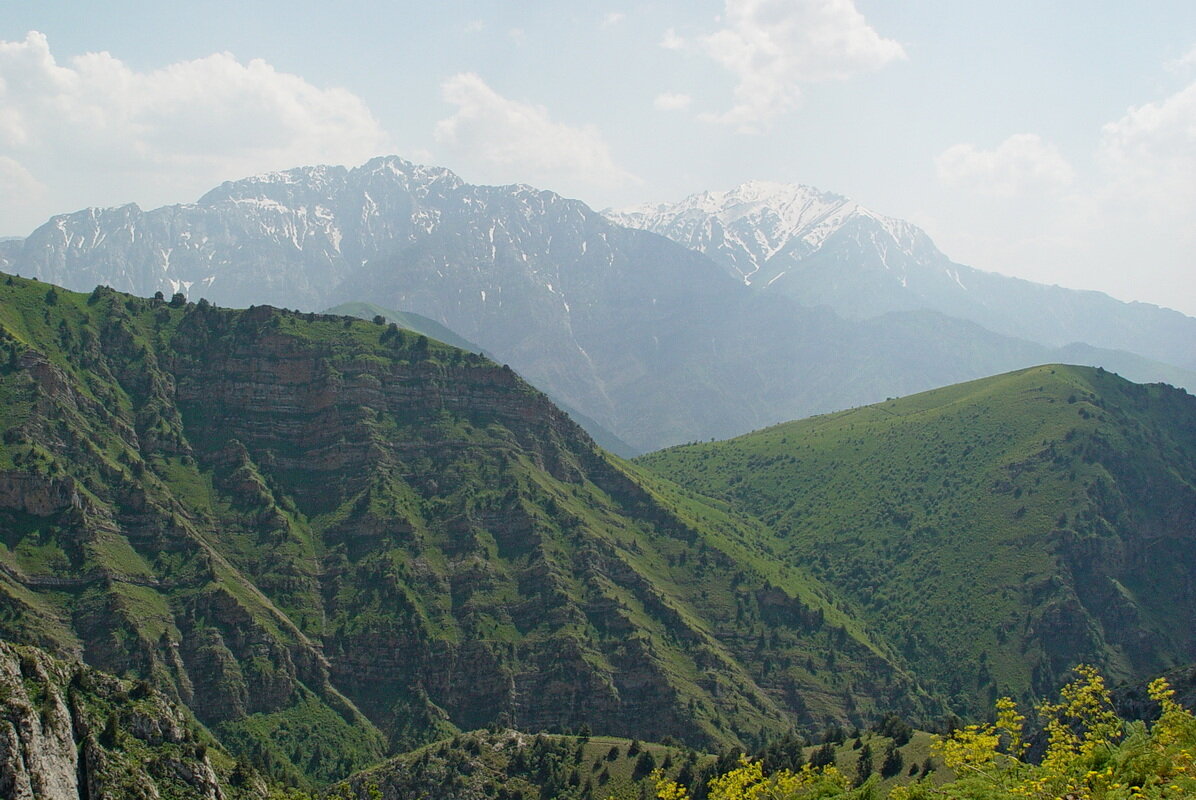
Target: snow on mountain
{"type": "Point", "coordinates": [823, 249]}
{"type": "Point", "coordinates": [747, 227]}
{"type": "Point", "coordinates": [654, 341]}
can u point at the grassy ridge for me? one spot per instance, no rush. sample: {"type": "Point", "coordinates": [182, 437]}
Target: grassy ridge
{"type": "Point", "coordinates": [510, 765]}
{"type": "Point", "coordinates": [997, 531]}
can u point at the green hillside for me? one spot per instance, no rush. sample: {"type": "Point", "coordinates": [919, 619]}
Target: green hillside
{"type": "Point", "coordinates": [512, 765]}
{"type": "Point", "coordinates": [996, 532]}
{"type": "Point", "coordinates": [335, 540]}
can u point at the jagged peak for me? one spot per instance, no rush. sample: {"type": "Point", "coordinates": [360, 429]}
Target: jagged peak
{"type": "Point", "coordinates": [765, 216]}
{"type": "Point", "coordinates": [92, 216]}
{"type": "Point", "coordinates": [317, 177]}
{"type": "Point", "coordinates": [408, 173]}
{"type": "Point", "coordinates": [755, 193]}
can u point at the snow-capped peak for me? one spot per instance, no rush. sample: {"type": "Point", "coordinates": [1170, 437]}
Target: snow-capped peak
{"type": "Point", "coordinates": [748, 225]}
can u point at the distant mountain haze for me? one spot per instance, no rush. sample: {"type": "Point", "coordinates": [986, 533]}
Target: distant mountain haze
{"type": "Point", "coordinates": [824, 249]}
{"type": "Point", "coordinates": [798, 303]}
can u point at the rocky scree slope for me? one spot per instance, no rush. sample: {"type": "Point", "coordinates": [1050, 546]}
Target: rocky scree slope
{"type": "Point", "coordinates": [333, 540]}
{"type": "Point", "coordinates": [648, 339]}
{"type": "Point", "coordinates": [998, 532]}
{"type": "Point", "coordinates": [825, 249]}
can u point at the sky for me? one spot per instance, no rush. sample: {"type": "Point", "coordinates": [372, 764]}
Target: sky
{"type": "Point", "coordinates": [1050, 141]}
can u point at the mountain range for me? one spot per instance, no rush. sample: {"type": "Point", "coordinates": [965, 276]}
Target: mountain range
{"type": "Point", "coordinates": [333, 540]}
{"type": "Point", "coordinates": [315, 541]}
{"type": "Point", "coordinates": [824, 249]}
{"type": "Point", "coordinates": [650, 340]}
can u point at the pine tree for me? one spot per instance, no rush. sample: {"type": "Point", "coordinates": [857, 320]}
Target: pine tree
{"type": "Point", "coordinates": [893, 762]}
{"type": "Point", "coordinates": [863, 766]}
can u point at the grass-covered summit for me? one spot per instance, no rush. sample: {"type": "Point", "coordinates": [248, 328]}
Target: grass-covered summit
{"type": "Point", "coordinates": [335, 540]}
{"type": "Point", "coordinates": [997, 532]}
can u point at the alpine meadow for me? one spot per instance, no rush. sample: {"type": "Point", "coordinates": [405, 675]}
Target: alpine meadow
{"type": "Point", "coordinates": [613, 459]}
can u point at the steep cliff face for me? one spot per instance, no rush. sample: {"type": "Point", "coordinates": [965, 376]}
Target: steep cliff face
{"type": "Point", "coordinates": [333, 538]}
{"type": "Point", "coordinates": [67, 731]}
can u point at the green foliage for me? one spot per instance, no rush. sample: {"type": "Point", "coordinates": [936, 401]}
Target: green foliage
{"type": "Point", "coordinates": [505, 765]}
{"type": "Point", "coordinates": [343, 542]}
{"type": "Point", "coordinates": [1090, 752]}
{"type": "Point", "coordinates": [306, 744]}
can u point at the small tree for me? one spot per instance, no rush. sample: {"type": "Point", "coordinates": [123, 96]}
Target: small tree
{"type": "Point", "coordinates": [863, 765]}
{"type": "Point", "coordinates": [824, 755]}
{"type": "Point", "coordinates": [644, 765]}
{"type": "Point", "coordinates": [893, 762]}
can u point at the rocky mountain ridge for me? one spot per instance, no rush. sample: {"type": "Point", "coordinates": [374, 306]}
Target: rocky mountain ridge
{"type": "Point", "coordinates": [648, 339]}
{"type": "Point", "coordinates": [825, 249]}
{"type": "Point", "coordinates": [68, 731]}
{"type": "Point", "coordinates": [746, 227]}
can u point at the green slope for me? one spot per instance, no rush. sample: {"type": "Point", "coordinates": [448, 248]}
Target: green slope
{"type": "Point", "coordinates": [510, 765]}
{"type": "Point", "coordinates": [996, 532]}
{"type": "Point", "coordinates": [336, 540]}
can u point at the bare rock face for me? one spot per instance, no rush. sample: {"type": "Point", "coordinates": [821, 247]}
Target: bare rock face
{"type": "Point", "coordinates": [38, 756]}
{"type": "Point", "coordinates": [56, 745]}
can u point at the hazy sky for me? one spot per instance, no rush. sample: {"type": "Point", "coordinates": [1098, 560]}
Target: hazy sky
{"type": "Point", "coordinates": [1054, 141]}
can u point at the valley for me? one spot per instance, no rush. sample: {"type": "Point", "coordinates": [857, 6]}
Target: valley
{"type": "Point", "coordinates": [734, 400]}
{"type": "Point", "coordinates": [334, 540]}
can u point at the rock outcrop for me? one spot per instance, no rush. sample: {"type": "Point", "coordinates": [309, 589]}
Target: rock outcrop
{"type": "Point", "coordinates": [70, 732]}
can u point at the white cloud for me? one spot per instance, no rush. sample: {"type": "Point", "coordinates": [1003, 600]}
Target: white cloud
{"type": "Point", "coordinates": [18, 189]}
{"type": "Point", "coordinates": [1148, 157]}
{"type": "Point", "coordinates": [1155, 141]}
{"type": "Point", "coordinates": [613, 18]}
{"type": "Point", "coordinates": [671, 41]}
{"type": "Point", "coordinates": [774, 47]}
{"type": "Point", "coordinates": [1125, 227]}
{"type": "Point", "coordinates": [1022, 163]}
{"type": "Point", "coordinates": [183, 126]}
{"type": "Point", "coordinates": [513, 141]}
{"type": "Point", "coordinates": [669, 101]}
{"type": "Point", "coordinates": [1184, 63]}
